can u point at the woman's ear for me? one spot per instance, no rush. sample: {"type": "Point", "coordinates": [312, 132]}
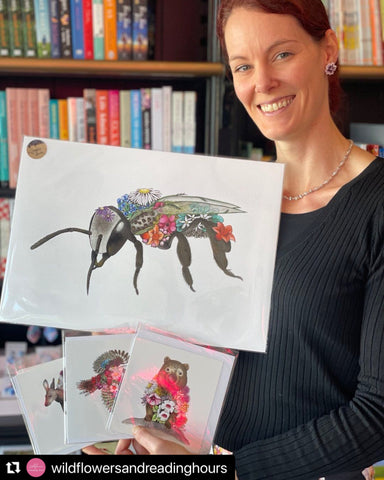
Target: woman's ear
{"type": "Point", "coordinates": [331, 47]}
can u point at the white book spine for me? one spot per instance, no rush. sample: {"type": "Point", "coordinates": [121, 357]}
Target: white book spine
{"type": "Point", "coordinates": [167, 118]}
{"type": "Point", "coordinates": [157, 119]}
{"type": "Point", "coordinates": [189, 142]}
{"type": "Point", "coordinates": [177, 121]}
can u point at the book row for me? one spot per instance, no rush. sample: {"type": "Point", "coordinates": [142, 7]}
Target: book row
{"type": "Point", "coordinates": [79, 29]}
{"type": "Point", "coordinates": [359, 28]}
{"type": "Point", "coordinates": [157, 118]}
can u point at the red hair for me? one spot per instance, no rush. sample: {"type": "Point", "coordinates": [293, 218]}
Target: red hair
{"type": "Point", "coordinates": [311, 15]}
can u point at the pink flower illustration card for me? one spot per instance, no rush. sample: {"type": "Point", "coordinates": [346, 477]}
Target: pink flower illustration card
{"type": "Point", "coordinates": [173, 387]}
{"type": "Point", "coordinates": [94, 368]}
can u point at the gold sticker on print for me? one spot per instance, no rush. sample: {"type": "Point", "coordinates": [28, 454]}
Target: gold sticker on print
{"type": "Point", "coordinates": [36, 149]}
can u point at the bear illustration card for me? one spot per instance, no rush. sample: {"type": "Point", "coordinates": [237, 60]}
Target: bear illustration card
{"type": "Point", "coordinates": [173, 387]}
{"type": "Point", "coordinates": [94, 367]}
{"type": "Point", "coordinates": [39, 390]}
{"type": "Point", "coordinates": [104, 237]}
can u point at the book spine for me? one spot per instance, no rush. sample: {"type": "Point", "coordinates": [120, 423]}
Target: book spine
{"type": "Point", "coordinates": [102, 117]}
{"type": "Point", "coordinates": [55, 28]}
{"type": "Point", "coordinates": [43, 29]}
{"type": "Point", "coordinates": [177, 121]}
{"type": "Point", "coordinates": [377, 39]}
{"type": "Point", "coordinates": [72, 117]}
{"type": "Point", "coordinates": [54, 118]}
{"type": "Point", "coordinates": [43, 106]}
{"type": "Point", "coordinates": [63, 119]}
{"type": "Point", "coordinates": [29, 28]}
{"type": "Point", "coordinates": [351, 32]}
{"type": "Point", "coordinates": [140, 30]}
{"type": "Point", "coordinates": [336, 21]}
{"type": "Point", "coordinates": [110, 30]}
{"type": "Point", "coordinates": [4, 168]}
{"type": "Point", "coordinates": [5, 230]}
{"type": "Point", "coordinates": [33, 110]}
{"type": "Point", "coordinates": [65, 29]}
{"type": "Point", "coordinates": [88, 29]}
{"type": "Point", "coordinates": [125, 118]}
{"type": "Point", "coordinates": [14, 135]}
{"type": "Point", "coordinates": [157, 118]}
{"type": "Point", "coordinates": [98, 29]}
{"type": "Point", "coordinates": [114, 117]}
{"type": "Point", "coordinates": [22, 108]}
{"type": "Point", "coordinates": [365, 38]}
{"type": "Point", "coordinates": [136, 122]}
{"type": "Point", "coordinates": [189, 123]}
{"type": "Point", "coordinates": [4, 29]}
{"type": "Point", "coordinates": [15, 29]}
{"type": "Point", "coordinates": [80, 120]}
{"type": "Point", "coordinates": [89, 95]}
{"type": "Point", "coordinates": [77, 29]}
{"type": "Point", "coordinates": [167, 118]}
{"type": "Point", "coordinates": [146, 117]}
{"type": "Point", "coordinates": [124, 29]}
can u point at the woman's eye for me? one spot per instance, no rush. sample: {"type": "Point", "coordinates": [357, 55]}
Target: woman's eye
{"type": "Point", "coordinates": [241, 68]}
{"type": "Point", "coordinates": [282, 55]}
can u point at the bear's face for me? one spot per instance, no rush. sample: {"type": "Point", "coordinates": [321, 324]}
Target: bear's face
{"type": "Point", "coordinates": [174, 372]}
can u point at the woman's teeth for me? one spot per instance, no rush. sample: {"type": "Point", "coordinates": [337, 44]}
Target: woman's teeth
{"type": "Point", "coordinates": [273, 107]}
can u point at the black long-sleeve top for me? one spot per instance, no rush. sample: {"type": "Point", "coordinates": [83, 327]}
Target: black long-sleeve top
{"type": "Point", "coordinates": [313, 405]}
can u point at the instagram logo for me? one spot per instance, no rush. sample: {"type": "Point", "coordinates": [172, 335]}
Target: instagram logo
{"type": "Point", "coordinates": [35, 467]}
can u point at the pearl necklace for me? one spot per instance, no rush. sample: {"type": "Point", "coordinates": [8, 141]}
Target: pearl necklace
{"type": "Point", "coordinates": [331, 177]}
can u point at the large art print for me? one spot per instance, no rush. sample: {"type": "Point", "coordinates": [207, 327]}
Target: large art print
{"type": "Point", "coordinates": [108, 237]}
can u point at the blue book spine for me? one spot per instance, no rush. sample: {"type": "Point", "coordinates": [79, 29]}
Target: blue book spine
{"type": "Point", "coordinates": [55, 29]}
{"type": "Point", "coordinates": [43, 28]}
{"type": "Point", "coordinates": [77, 29]}
{"type": "Point", "coordinates": [54, 118]}
{"type": "Point", "coordinates": [136, 120]}
{"type": "Point", "coordinates": [124, 29]}
{"type": "Point", "coordinates": [4, 165]}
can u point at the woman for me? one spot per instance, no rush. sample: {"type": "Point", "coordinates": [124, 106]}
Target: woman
{"type": "Point", "coordinates": [313, 405]}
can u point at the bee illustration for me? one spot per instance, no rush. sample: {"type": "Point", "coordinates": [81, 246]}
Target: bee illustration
{"type": "Point", "coordinates": [157, 221]}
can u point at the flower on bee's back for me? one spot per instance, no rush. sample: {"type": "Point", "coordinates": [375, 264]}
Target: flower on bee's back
{"type": "Point", "coordinates": [224, 232]}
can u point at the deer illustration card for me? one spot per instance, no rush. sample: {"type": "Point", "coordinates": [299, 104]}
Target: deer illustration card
{"type": "Point", "coordinates": [108, 236]}
{"type": "Point", "coordinates": [39, 390]}
{"type": "Point", "coordinates": [94, 368]}
{"type": "Point", "coordinates": [174, 388]}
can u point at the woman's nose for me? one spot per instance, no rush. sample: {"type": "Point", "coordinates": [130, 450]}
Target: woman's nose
{"type": "Point", "coordinates": [264, 80]}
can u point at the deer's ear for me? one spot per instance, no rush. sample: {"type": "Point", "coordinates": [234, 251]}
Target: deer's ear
{"type": "Point", "coordinates": [45, 385]}
{"type": "Point", "coordinates": [53, 383]}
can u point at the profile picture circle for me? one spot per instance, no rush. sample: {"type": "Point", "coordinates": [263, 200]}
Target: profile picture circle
{"type": "Point", "coordinates": [35, 467]}
{"type": "Point", "coordinates": [36, 148]}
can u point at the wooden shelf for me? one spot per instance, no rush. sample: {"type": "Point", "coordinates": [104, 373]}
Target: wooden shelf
{"type": "Point", "coordinates": [105, 68]}
{"type": "Point", "coordinates": [355, 72]}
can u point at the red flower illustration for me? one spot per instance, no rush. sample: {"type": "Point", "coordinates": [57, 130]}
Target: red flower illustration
{"type": "Point", "coordinates": [224, 232]}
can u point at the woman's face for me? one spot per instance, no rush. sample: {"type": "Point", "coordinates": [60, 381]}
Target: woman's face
{"type": "Point", "coordinates": [278, 72]}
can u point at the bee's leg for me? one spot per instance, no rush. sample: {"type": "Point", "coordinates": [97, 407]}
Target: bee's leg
{"type": "Point", "coordinates": [219, 249]}
{"type": "Point", "coordinates": [185, 257]}
{"type": "Point", "coordinates": [93, 261]}
{"type": "Point", "coordinates": [139, 262]}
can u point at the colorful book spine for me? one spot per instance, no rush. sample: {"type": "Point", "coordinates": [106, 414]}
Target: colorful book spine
{"type": "Point", "coordinates": [14, 135]}
{"type": "Point", "coordinates": [77, 29]}
{"type": "Point", "coordinates": [114, 117]}
{"type": "Point", "coordinates": [136, 119]}
{"type": "Point", "coordinates": [124, 29]}
{"type": "Point", "coordinates": [29, 32]}
{"type": "Point", "coordinates": [5, 230]}
{"type": "Point", "coordinates": [98, 29]}
{"type": "Point", "coordinates": [22, 107]}
{"type": "Point", "coordinates": [72, 119]}
{"type": "Point", "coordinates": [88, 29]}
{"type": "Point", "coordinates": [43, 28]}
{"type": "Point", "coordinates": [377, 38]}
{"type": "Point", "coordinates": [65, 29]}
{"type": "Point", "coordinates": [365, 34]}
{"type": "Point", "coordinates": [189, 123]}
{"type": "Point", "coordinates": [63, 119]}
{"type": "Point", "coordinates": [4, 29]}
{"type": "Point", "coordinates": [157, 118]}
{"type": "Point", "coordinates": [4, 168]}
{"type": "Point", "coordinates": [89, 95]}
{"type": "Point", "coordinates": [55, 28]}
{"type": "Point", "coordinates": [54, 118]}
{"type": "Point", "coordinates": [33, 111]}
{"type": "Point", "coordinates": [140, 30]}
{"type": "Point", "coordinates": [110, 30]}
{"type": "Point", "coordinates": [146, 117]}
{"type": "Point", "coordinates": [125, 118]}
{"type": "Point", "coordinates": [15, 28]}
{"type": "Point", "coordinates": [177, 121]}
{"type": "Point", "coordinates": [43, 109]}
{"type": "Point", "coordinates": [351, 32]}
{"type": "Point", "coordinates": [102, 117]}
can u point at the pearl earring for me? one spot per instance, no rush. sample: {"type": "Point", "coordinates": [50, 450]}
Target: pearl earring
{"type": "Point", "coordinates": [331, 68]}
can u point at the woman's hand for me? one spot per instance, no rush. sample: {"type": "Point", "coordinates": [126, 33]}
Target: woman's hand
{"type": "Point", "coordinates": [146, 443]}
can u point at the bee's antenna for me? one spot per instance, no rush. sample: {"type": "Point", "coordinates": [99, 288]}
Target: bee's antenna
{"type": "Point", "coordinates": [59, 232]}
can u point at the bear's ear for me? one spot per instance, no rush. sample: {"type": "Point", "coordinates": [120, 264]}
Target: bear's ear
{"type": "Point", "coordinates": [167, 359]}
{"type": "Point", "coordinates": [186, 366]}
